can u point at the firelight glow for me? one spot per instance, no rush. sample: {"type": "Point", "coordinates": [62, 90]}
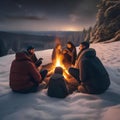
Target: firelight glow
{"type": "Point", "coordinates": [72, 28]}
{"type": "Point", "coordinates": [59, 64]}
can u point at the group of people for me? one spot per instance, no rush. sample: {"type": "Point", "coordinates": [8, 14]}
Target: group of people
{"type": "Point", "coordinates": [26, 74]}
{"type": "Point", "coordinates": [68, 54]}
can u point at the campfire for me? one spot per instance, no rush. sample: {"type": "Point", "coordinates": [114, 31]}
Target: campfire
{"type": "Point", "coordinates": [71, 82]}
{"type": "Point", "coordinates": [60, 64]}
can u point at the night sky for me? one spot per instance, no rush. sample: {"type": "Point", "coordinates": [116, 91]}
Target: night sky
{"type": "Point", "coordinates": [47, 15]}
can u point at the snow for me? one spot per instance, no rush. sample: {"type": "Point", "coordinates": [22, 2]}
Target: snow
{"type": "Point", "coordinates": [77, 106]}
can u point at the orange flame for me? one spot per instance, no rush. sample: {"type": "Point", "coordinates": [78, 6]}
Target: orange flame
{"type": "Point", "coordinates": [60, 64]}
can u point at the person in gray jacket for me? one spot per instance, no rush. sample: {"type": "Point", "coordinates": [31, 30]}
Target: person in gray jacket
{"type": "Point", "coordinates": [89, 71]}
{"type": "Point", "coordinates": [57, 86]}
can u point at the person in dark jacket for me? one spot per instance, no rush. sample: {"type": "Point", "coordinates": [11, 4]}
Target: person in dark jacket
{"type": "Point", "coordinates": [57, 86]}
{"type": "Point", "coordinates": [24, 76]}
{"type": "Point", "coordinates": [90, 72]}
{"type": "Point", "coordinates": [31, 54]}
{"type": "Point", "coordinates": [71, 51]}
{"type": "Point", "coordinates": [66, 58]}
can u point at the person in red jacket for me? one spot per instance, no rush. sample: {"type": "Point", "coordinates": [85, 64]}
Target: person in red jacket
{"type": "Point", "coordinates": [24, 76]}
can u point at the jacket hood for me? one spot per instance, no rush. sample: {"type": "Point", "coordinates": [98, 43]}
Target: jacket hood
{"type": "Point", "coordinates": [22, 56]}
{"type": "Point", "coordinates": [89, 53]}
{"type": "Point", "coordinates": [86, 53]}
{"type": "Point", "coordinates": [57, 76]}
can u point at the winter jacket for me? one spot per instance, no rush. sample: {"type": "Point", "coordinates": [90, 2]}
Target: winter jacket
{"type": "Point", "coordinates": [23, 73]}
{"type": "Point", "coordinates": [93, 75]}
{"type": "Point", "coordinates": [57, 86]}
{"type": "Point", "coordinates": [32, 56]}
{"type": "Point", "coordinates": [73, 55]}
{"type": "Point", "coordinates": [66, 60]}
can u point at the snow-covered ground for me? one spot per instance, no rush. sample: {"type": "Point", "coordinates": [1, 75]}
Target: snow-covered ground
{"type": "Point", "coordinates": [77, 106]}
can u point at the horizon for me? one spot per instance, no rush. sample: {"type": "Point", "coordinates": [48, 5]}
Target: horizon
{"type": "Point", "coordinates": [39, 31]}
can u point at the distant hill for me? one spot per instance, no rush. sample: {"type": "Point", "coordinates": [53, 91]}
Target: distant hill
{"type": "Point", "coordinates": [11, 42]}
{"type": "Point", "coordinates": [19, 41]}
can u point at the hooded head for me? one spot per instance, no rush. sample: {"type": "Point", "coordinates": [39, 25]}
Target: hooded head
{"type": "Point", "coordinates": [58, 70]}
{"type": "Point", "coordinates": [22, 56]}
{"type": "Point", "coordinates": [88, 53]}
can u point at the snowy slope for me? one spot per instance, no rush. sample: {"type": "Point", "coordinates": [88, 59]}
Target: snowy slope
{"type": "Point", "coordinates": [77, 106]}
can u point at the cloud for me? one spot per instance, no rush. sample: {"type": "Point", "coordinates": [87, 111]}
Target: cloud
{"type": "Point", "coordinates": [86, 8]}
{"type": "Point", "coordinates": [48, 12]}
{"type": "Point", "coordinates": [36, 18]}
{"type": "Point", "coordinates": [74, 18]}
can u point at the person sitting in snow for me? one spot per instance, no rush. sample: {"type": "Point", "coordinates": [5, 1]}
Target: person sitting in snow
{"type": "Point", "coordinates": [71, 51]}
{"type": "Point", "coordinates": [24, 76]}
{"type": "Point", "coordinates": [89, 71]}
{"type": "Point", "coordinates": [57, 86]}
{"type": "Point", "coordinates": [31, 54]}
